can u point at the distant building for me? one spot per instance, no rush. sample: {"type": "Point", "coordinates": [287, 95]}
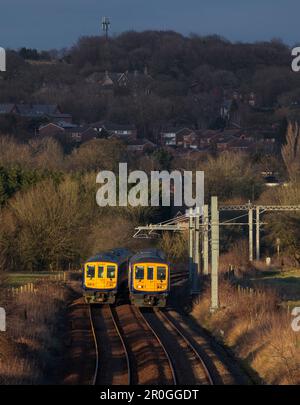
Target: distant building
{"type": "Point", "coordinates": [50, 111]}
{"type": "Point", "coordinates": [72, 133]}
{"type": "Point", "coordinates": [8, 109]}
{"type": "Point", "coordinates": [112, 81]}
{"type": "Point", "coordinates": [174, 136]}
{"type": "Point", "coordinates": [141, 145]}
{"type": "Point", "coordinates": [122, 131]}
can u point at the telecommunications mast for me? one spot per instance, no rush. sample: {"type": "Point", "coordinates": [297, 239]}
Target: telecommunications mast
{"type": "Point", "coordinates": [105, 26]}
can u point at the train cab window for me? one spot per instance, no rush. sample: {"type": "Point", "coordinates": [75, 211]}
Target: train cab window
{"type": "Point", "coordinates": [111, 272]}
{"type": "Point", "coordinates": [161, 273]}
{"type": "Point", "coordinates": [100, 272]}
{"type": "Point", "coordinates": [150, 271]}
{"type": "Point", "coordinates": [139, 272]}
{"type": "Point", "coordinates": [91, 271]}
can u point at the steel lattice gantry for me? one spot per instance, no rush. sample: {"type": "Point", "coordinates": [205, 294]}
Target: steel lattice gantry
{"type": "Point", "coordinates": [259, 209]}
{"type": "Point", "coordinates": [200, 224]}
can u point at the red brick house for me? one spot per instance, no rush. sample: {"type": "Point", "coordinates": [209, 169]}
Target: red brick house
{"type": "Point", "coordinates": [141, 145]}
{"type": "Point", "coordinates": [51, 129]}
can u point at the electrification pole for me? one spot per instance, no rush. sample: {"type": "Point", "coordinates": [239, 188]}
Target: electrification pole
{"type": "Point", "coordinates": [205, 239]}
{"type": "Point", "coordinates": [197, 261]}
{"type": "Point", "coordinates": [257, 233]}
{"type": "Point", "coordinates": [215, 252]}
{"type": "Point", "coordinates": [250, 219]}
{"type": "Point", "coordinates": [191, 244]}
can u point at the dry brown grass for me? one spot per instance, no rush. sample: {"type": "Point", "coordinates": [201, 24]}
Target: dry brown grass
{"type": "Point", "coordinates": [43, 153]}
{"type": "Point", "coordinates": [257, 330]}
{"type": "Point", "coordinates": [31, 348]}
{"type": "Point", "coordinates": [237, 257]}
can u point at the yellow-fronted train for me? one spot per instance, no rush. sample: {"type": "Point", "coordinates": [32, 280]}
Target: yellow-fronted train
{"type": "Point", "coordinates": [149, 278]}
{"type": "Point", "coordinates": [105, 276]}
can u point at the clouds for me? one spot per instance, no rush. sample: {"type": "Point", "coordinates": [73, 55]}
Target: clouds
{"type": "Point", "coordinates": [58, 23]}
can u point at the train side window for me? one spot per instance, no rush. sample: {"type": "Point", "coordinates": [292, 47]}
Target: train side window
{"type": "Point", "coordinates": [161, 273]}
{"type": "Point", "coordinates": [91, 271]}
{"type": "Point", "coordinates": [111, 272]}
{"type": "Point", "coordinates": [150, 271]}
{"type": "Point", "coordinates": [100, 272]}
{"type": "Point", "coordinates": [139, 272]}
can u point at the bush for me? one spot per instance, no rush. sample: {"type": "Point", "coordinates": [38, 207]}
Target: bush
{"type": "Point", "coordinates": [45, 227]}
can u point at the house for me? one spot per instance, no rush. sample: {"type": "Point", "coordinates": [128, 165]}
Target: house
{"type": "Point", "coordinates": [205, 137]}
{"type": "Point", "coordinates": [109, 129]}
{"type": "Point", "coordinates": [174, 136]}
{"type": "Point", "coordinates": [141, 145]}
{"type": "Point", "coordinates": [241, 145]}
{"type": "Point", "coordinates": [190, 141]}
{"type": "Point", "coordinates": [222, 141]}
{"type": "Point", "coordinates": [51, 129]}
{"type": "Point", "coordinates": [50, 111]}
{"type": "Point", "coordinates": [81, 133]}
{"type": "Point", "coordinates": [61, 118]}
{"type": "Point", "coordinates": [71, 132]}
{"type": "Point", "coordinates": [38, 110]}
{"type": "Point", "coordinates": [8, 108]}
{"type": "Point", "coordinates": [111, 81]}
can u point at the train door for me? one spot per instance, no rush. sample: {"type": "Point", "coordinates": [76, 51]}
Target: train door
{"type": "Point", "coordinates": [139, 277]}
{"type": "Point", "coordinates": [150, 278]}
{"type": "Point", "coordinates": [111, 280]}
{"type": "Point", "coordinates": [162, 278]}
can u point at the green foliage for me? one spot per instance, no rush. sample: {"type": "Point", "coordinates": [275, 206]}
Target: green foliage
{"type": "Point", "coordinates": [231, 176]}
{"type": "Point", "coordinates": [163, 158]}
{"type": "Point", "coordinates": [16, 178]}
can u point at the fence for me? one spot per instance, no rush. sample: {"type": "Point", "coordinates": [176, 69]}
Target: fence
{"type": "Point", "coordinates": [32, 287]}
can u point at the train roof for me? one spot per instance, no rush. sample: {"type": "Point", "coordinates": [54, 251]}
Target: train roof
{"type": "Point", "coordinates": [114, 256]}
{"type": "Point", "coordinates": [149, 255]}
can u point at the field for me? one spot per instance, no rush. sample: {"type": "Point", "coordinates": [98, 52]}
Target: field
{"type": "Point", "coordinates": [255, 323]}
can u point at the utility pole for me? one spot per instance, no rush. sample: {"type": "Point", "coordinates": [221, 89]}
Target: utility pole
{"type": "Point", "coordinates": [205, 239]}
{"type": "Point", "coordinates": [105, 26]}
{"type": "Point", "coordinates": [250, 220]}
{"type": "Point", "coordinates": [191, 244]}
{"type": "Point", "coordinates": [257, 233]}
{"type": "Point", "coordinates": [197, 261]}
{"type": "Point", "coordinates": [215, 252]}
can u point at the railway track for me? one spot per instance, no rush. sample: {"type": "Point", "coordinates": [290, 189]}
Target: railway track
{"type": "Point", "coordinates": [162, 346]}
{"type": "Point", "coordinates": [189, 366]}
{"type": "Point", "coordinates": [149, 359]}
{"type": "Point", "coordinates": [112, 365]}
{"type": "Point", "coordinates": [127, 349]}
{"type": "Point", "coordinates": [155, 347]}
{"type": "Point", "coordinates": [191, 347]}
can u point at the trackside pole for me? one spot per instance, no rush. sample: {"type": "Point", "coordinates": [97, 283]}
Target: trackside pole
{"type": "Point", "coordinates": [205, 239]}
{"type": "Point", "coordinates": [257, 233]}
{"type": "Point", "coordinates": [197, 262]}
{"type": "Point", "coordinates": [191, 244]}
{"type": "Point", "coordinates": [215, 252]}
{"type": "Point", "coordinates": [250, 220]}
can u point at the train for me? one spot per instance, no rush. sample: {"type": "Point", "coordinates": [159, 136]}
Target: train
{"type": "Point", "coordinates": [149, 278]}
{"type": "Point", "coordinates": [105, 276]}
{"type": "Point", "coordinates": [146, 275]}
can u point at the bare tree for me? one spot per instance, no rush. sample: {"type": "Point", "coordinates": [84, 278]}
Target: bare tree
{"type": "Point", "coordinates": [291, 151]}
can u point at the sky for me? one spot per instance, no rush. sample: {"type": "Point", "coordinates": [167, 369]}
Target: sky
{"type": "Point", "coordinates": [48, 24]}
